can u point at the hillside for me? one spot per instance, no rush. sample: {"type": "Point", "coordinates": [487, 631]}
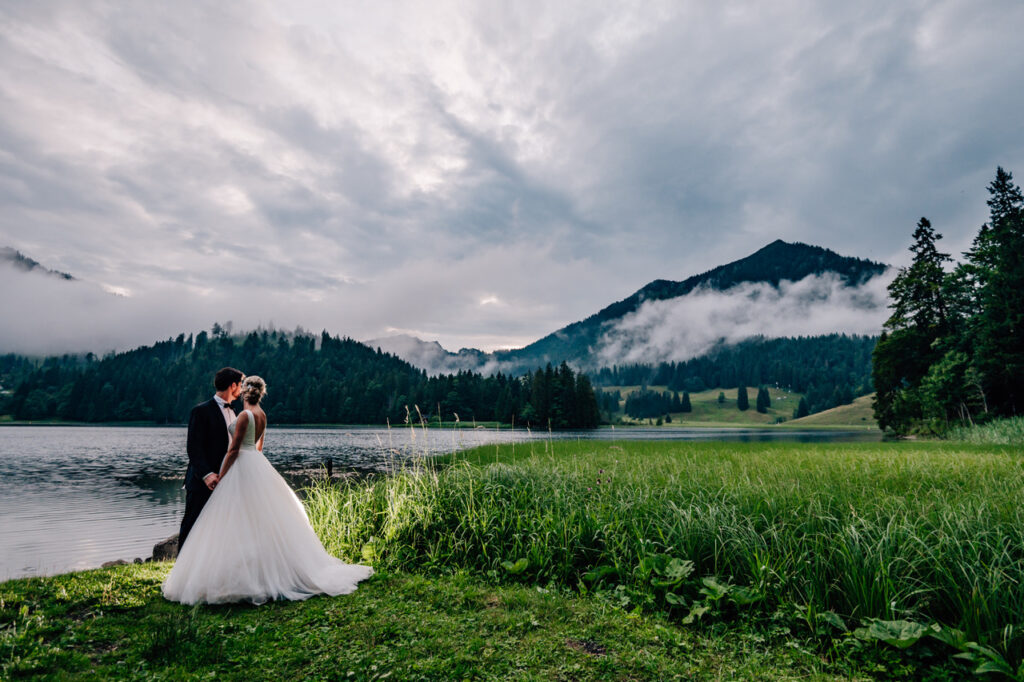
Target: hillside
{"type": "Point", "coordinates": [576, 342]}
{"type": "Point", "coordinates": [313, 380]}
{"type": "Point", "coordinates": [708, 411]}
{"type": "Point", "coordinates": [775, 262]}
{"type": "Point", "coordinates": [859, 414]}
{"type": "Point", "coordinates": [20, 261]}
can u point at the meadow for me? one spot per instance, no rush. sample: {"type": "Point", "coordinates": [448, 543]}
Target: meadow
{"type": "Point", "coordinates": [600, 560]}
{"type": "Point", "coordinates": [926, 538]}
{"type": "Point", "coordinates": [709, 412]}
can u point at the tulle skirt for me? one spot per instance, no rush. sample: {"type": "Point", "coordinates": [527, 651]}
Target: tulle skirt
{"type": "Point", "coordinates": [253, 542]}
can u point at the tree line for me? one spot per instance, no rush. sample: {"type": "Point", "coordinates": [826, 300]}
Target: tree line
{"type": "Point", "coordinates": [830, 370]}
{"type": "Point", "coordinates": [312, 380]}
{"type": "Point", "coordinates": [952, 352]}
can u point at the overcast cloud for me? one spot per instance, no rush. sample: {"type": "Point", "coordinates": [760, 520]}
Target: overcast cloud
{"type": "Point", "coordinates": [478, 173]}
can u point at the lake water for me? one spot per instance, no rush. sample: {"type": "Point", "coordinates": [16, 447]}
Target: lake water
{"type": "Point", "coordinates": [75, 497]}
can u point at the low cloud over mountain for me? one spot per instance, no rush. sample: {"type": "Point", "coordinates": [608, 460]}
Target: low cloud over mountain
{"type": "Point", "coordinates": [678, 329]}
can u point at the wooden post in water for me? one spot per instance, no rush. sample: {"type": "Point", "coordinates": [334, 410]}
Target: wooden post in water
{"type": "Point", "coordinates": [330, 468]}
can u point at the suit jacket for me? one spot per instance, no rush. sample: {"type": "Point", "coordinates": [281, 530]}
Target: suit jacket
{"type": "Point", "coordinates": [207, 443]}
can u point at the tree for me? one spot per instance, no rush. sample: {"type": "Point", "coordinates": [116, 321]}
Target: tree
{"type": "Point", "coordinates": [996, 269]}
{"type": "Point", "coordinates": [801, 409]}
{"type": "Point", "coordinates": [742, 401]}
{"type": "Point", "coordinates": [764, 401]}
{"type": "Point", "coordinates": [684, 404]}
{"type": "Point", "coordinates": [721, 397]}
{"type": "Point", "coordinates": [907, 347]}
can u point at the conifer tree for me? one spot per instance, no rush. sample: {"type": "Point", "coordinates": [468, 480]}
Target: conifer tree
{"type": "Point", "coordinates": [907, 347]}
{"type": "Point", "coordinates": [802, 410]}
{"type": "Point", "coordinates": [996, 266]}
{"type": "Point", "coordinates": [763, 400]}
{"type": "Point", "coordinates": [742, 401]}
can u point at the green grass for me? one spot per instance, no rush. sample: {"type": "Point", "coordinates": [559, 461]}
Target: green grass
{"type": "Point", "coordinates": [894, 531]}
{"type": "Point", "coordinates": [707, 411]}
{"type": "Point", "coordinates": [1000, 432]}
{"type": "Point", "coordinates": [669, 559]}
{"type": "Point", "coordinates": [858, 414]}
{"type": "Point", "coordinates": [113, 624]}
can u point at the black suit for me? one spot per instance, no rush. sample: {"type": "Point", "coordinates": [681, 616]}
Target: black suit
{"type": "Point", "coordinates": [207, 443]}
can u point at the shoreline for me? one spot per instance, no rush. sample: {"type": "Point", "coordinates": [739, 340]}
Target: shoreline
{"type": "Point", "coordinates": [452, 426]}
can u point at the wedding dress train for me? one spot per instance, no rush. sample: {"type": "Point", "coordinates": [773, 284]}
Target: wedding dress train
{"type": "Point", "coordinates": [253, 542]}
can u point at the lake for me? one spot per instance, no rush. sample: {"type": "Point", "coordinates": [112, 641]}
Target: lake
{"type": "Point", "coordinates": [73, 497]}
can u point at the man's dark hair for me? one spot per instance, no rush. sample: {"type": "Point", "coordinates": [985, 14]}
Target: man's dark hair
{"type": "Point", "coordinates": [225, 377]}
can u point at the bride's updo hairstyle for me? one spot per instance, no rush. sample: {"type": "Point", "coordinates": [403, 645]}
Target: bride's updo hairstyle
{"type": "Point", "coordinates": [253, 389]}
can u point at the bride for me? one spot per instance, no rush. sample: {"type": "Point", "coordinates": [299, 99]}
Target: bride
{"type": "Point", "coordinates": [253, 541]}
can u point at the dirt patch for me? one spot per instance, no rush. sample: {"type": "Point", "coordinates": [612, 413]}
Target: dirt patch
{"type": "Point", "coordinates": [587, 646]}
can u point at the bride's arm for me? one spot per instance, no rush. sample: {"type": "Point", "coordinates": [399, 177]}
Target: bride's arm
{"type": "Point", "coordinates": [259, 446]}
{"type": "Point", "coordinates": [236, 443]}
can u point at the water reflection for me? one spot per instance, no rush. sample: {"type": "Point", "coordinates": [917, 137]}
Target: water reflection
{"type": "Point", "coordinates": [74, 497]}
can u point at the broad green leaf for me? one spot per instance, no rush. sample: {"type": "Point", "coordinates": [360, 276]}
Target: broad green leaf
{"type": "Point", "coordinates": [695, 613]}
{"type": "Point", "coordinates": [951, 636]}
{"type": "Point", "coordinates": [600, 573]}
{"type": "Point", "coordinates": [1000, 666]}
{"type": "Point", "coordinates": [679, 569]}
{"type": "Point", "coordinates": [745, 595]}
{"type": "Point", "coordinates": [674, 599]}
{"type": "Point", "coordinates": [515, 568]}
{"type": "Point", "coordinates": [713, 589]}
{"type": "Point", "coordinates": [899, 633]}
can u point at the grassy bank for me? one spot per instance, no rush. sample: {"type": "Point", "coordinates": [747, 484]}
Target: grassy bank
{"type": "Point", "coordinates": [914, 532]}
{"type": "Point", "coordinates": [1001, 432]}
{"type": "Point", "coordinates": [113, 624]}
{"type": "Point", "coordinates": [596, 560]}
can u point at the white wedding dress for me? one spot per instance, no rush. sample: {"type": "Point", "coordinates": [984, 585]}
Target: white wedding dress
{"type": "Point", "coordinates": [253, 542]}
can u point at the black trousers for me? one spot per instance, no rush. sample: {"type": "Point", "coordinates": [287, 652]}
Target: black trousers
{"type": "Point", "coordinates": [195, 500]}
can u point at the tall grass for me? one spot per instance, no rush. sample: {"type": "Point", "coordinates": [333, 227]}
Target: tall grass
{"type": "Point", "coordinates": [927, 532]}
{"type": "Point", "coordinates": [1008, 431]}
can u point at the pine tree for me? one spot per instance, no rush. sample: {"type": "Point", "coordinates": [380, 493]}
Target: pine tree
{"type": "Point", "coordinates": [802, 410]}
{"type": "Point", "coordinates": [763, 400]}
{"type": "Point", "coordinates": [742, 401]}
{"type": "Point", "coordinates": [996, 266]}
{"type": "Point", "coordinates": [907, 347]}
{"type": "Point", "coordinates": [684, 404]}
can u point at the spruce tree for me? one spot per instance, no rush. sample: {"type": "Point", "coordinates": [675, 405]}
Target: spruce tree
{"type": "Point", "coordinates": [907, 347]}
{"type": "Point", "coordinates": [802, 410]}
{"type": "Point", "coordinates": [996, 265]}
{"type": "Point", "coordinates": [742, 401]}
{"type": "Point", "coordinates": [763, 400]}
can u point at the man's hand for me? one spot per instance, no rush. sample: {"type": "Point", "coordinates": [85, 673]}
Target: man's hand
{"type": "Point", "coordinates": [211, 480]}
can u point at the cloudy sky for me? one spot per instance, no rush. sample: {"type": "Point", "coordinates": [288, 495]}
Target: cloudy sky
{"type": "Point", "coordinates": [480, 173]}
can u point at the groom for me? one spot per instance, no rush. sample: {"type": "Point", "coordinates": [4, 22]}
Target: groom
{"type": "Point", "coordinates": [207, 443]}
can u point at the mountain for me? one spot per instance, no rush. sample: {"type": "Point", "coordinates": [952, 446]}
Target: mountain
{"type": "Point", "coordinates": [579, 342]}
{"type": "Point", "coordinates": [20, 261]}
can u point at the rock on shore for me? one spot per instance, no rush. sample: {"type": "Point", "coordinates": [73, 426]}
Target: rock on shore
{"type": "Point", "coordinates": [165, 550]}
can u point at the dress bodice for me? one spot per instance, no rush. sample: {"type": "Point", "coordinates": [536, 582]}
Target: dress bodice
{"type": "Point", "coordinates": [249, 439]}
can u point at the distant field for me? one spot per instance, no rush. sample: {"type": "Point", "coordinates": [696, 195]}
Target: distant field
{"type": "Point", "coordinates": [707, 411]}
{"type": "Point", "coordinates": [858, 413]}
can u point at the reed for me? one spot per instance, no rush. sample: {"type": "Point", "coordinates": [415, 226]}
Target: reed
{"type": "Point", "coordinates": [1009, 431]}
{"type": "Point", "coordinates": [928, 532]}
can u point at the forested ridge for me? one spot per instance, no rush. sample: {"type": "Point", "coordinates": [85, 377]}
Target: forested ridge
{"type": "Point", "coordinates": [829, 370]}
{"type": "Point", "coordinates": [952, 352]}
{"type": "Point", "coordinates": [773, 263]}
{"type": "Point", "coordinates": [311, 379]}
{"type": "Point", "coordinates": [330, 380]}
